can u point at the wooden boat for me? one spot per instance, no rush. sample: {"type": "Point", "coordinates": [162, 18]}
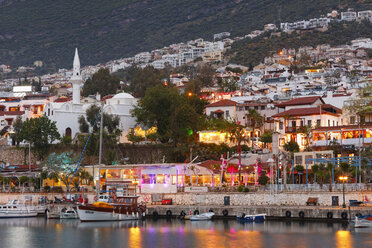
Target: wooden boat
{"type": "Point", "coordinates": [122, 208]}
{"type": "Point", "coordinates": [252, 217]}
{"type": "Point", "coordinates": [16, 209]}
{"type": "Point", "coordinates": [363, 221]}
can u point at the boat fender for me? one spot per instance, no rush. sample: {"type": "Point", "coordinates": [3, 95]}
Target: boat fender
{"type": "Point", "coordinates": [182, 214]}
{"type": "Point", "coordinates": [211, 211]}
{"type": "Point", "coordinates": [243, 215]}
{"type": "Point", "coordinates": [329, 215]}
{"type": "Point", "coordinates": [155, 213]}
{"type": "Point", "coordinates": [288, 214]}
{"type": "Point", "coordinates": [301, 214]}
{"type": "Point", "coordinates": [225, 212]}
{"type": "Point", "coordinates": [169, 213]}
{"type": "Point", "coordinates": [344, 215]}
{"type": "Point", "coordinates": [196, 212]}
{"type": "Point", "coordinates": [96, 198]}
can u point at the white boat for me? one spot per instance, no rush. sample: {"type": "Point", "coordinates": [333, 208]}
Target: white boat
{"type": "Point", "coordinates": [69, 213]}
{"type": "Point", "coordinates": [363, 221]}
{"type": "Point", "coordinates": [15, 209]}
{"type": "Point", "coordinates": [203, 216]}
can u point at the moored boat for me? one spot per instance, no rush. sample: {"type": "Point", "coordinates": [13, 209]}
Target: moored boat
{"type": "Point", "coordinates": [69, 213]}
{"type": "Point", "coordinates": [203, 216]}
{"type": "Point", "coordinates": [15, 209]}
{"type": "Point", "coordinates": [363, 221]}
{"type": "Point", "coordinates": [122, 208]}
{"type": "Point", "coordinates": [252, 217]}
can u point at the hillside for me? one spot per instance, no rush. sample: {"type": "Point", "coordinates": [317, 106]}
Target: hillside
{"type": "Point", "coordinates": [104, 29]}
{"type": "Point", "coordinates": [253, 51]}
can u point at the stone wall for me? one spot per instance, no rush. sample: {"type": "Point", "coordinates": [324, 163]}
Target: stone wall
{"type": "Point", "coordinates": [15, 156]}
{"type": "Point", "coordinates": [258, 199]}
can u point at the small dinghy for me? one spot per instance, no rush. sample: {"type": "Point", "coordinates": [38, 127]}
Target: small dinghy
{"type": "Point", "coordinates": [203, 216]}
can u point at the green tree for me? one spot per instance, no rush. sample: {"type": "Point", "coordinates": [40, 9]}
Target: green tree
{"type": "Point", "coordinates": [300, 169]}
{"type": "Point", "coordinates": [254, 120]}
{"type": "Point", "coordinates": [291, 146]}
{"type": "Point", "coordinates": [83, 125]}
{"type": "Point", "coordinates": [206, 75]}
{"type": "Point", "coordinates": [266, 138]}
{"type": "Point", "coordinates": [17, 128]}
{"type": "Point", "coordinates": [61, 167]}
{"type": "Point", "coordinates": [263, 179]}
{"type": "Point", "coordinates": [40, 133]}
{"type": "Point", "coordinates": [173, 114]}
{"type": "Point", "coordinates": [102, 82]}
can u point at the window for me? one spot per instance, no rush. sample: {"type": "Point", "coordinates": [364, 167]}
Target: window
{"type": "Point", "coordinates": [262, 107]}
{"type": "Point", "coordinates": [352, 119]}
{"type": "Point", "coordinates": [280, 125]}
{"type": "Point", "coordinates": [246, 107]}
{"type": "Point", "coordinates": [48, 112]}
{"type": "Point", "coordinates": [333, 123]}
{"type": "Point", "coordinates": [309, 123]}
{"type": "Point", "coordinates": [227, 113]}
{"type": "Point", "coordinates": [298, 159]}
{"type": "Point", "coordinates": [318, 123]}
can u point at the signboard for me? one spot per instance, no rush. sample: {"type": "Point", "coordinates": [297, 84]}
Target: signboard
{"type": "Point", "coordinates": [196, 189]}
{"type": "Point", "coordinates": [348, 147]}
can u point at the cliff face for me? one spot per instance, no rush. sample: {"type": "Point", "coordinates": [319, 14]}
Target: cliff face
{"type": "Point", "coordinates": [105, 30]}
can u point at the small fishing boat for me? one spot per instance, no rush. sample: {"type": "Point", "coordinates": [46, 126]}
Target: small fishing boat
{"type": "Point", "coordinates": [16, 209]}
{"type": "Point", "coordinates": [69, 213]}
{"type": "Point", "coordinates": [252, 217]}
{"type": "Point", "coordinates": [203, 216]}
{"type": "Point", "coordinates": [363, 221]}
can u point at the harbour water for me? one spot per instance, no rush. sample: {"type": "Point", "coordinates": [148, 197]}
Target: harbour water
{"type": "Point", "coordinates": [38, 232]}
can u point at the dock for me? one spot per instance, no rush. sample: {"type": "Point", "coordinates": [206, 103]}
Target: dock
{"type": "Point", "coordinates": [273, 212]}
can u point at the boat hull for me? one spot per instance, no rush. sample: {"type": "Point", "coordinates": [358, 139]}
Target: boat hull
{"type": "Point", "coordinates": [252, 218]}
{"type": "Point", "coordinates": [363, 221]}
{"type": "Point", "coordinates": [17, 215]}
{"type": "Point", "coordinates": [96, 215]}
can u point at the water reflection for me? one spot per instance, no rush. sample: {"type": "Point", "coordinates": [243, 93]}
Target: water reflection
{"type": "Point", "coordinates": [38, 232]}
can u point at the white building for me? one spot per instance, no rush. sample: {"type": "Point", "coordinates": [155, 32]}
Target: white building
{"type": "Point", "coordinates": [66, 114]}
{"type": "Point", "coordinates": [348, 16]}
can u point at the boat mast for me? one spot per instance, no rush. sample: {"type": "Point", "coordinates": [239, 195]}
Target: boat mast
{"type": "Point", "coordinates": [100, 151]}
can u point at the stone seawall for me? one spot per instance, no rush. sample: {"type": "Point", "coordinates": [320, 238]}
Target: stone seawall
{"type": "Point", "coordinates": [236, 199]}
{"type": "Point", "coordinates": [256, 199]}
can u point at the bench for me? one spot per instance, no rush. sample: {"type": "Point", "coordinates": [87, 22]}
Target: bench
{"type": "Point", "coordinates": [312, 201]}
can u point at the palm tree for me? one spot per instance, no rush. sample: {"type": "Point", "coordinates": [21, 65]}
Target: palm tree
{"type": "Point", "coordinates": [255, 120]}
{"type": "Point", "coordinates": [237, 136]}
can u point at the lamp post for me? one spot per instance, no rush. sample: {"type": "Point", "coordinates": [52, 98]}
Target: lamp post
{"type": "Point", "coordinates": [343, 179]}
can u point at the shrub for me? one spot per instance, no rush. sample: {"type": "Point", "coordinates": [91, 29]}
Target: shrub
{"type": "Point", "coordinates": [246, 189]}
{"type": "Point", "coordinates": [240, 188]}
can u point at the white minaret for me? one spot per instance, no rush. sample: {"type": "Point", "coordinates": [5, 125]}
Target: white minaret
{"type": "Point", "coordinates": [76, 79]}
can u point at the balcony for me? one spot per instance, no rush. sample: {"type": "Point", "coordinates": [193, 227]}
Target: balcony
{"type": "Point", "coordinates": [343, 142]}
{"type": "Point", "coordinates": [295, 129]}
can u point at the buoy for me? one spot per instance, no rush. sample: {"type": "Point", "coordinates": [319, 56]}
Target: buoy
{"type": "Point", "coordinates": [225, 212]}
{"type": "Point", "coordinates": [329, 215]}
{"type": "Point", "coordinates": [196, 212]}
{"type": "Point", "coordinates": [344, 215]}
{"type": "Point", "coordinates": [301, 214]}
{"type": "Point", "coordinates": [288, 214]}
{"type": "Point", "coordinates": [169, 213]}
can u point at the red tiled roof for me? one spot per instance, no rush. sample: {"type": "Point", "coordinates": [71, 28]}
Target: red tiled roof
{"type": "Point", "coordinates": [213, 165]}
{"type": "Point", "coordinates": [222, 103]}
{"type": "Point", "coordinates": [300, 101]}
{"type": "Point", "coordinates": [305, 111]}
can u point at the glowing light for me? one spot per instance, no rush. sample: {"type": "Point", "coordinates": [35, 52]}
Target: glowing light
{"type": "Point", "coordinates": [189, 94]}
{"type": "Point", "coordinates": [343, 239]}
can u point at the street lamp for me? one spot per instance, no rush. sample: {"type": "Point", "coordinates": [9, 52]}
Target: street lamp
{"type": "Point", "coordinates": [343, 179]}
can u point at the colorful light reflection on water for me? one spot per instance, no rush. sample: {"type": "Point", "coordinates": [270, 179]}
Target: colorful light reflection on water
{"type": "Point", "coordinates": [175, 233]}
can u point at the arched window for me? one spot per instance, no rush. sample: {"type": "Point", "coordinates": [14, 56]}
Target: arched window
{"type": "Point", "coordinates": [68, 132]}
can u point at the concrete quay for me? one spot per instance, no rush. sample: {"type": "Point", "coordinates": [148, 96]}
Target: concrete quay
{"type": "Point", "coordinates": [273, 212]}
